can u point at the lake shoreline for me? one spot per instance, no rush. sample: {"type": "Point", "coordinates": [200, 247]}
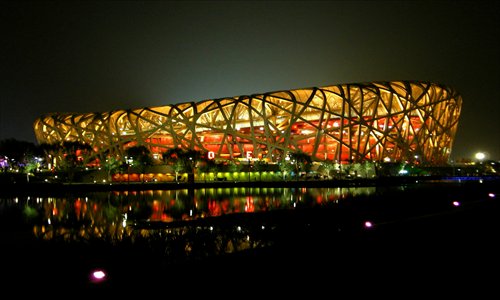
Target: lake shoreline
{"type": "Point", "coordinates": [42, 187]}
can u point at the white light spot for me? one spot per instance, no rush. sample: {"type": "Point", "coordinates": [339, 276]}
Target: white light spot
{"type": "Point", "coordinates": [98, 276]}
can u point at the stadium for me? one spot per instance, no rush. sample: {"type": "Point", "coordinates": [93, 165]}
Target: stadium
{"type": "Point", "coordinates": [378, 121]}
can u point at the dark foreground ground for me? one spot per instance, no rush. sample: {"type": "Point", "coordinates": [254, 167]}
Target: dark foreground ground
{"type": "Point", "coordinates": [420, 246]}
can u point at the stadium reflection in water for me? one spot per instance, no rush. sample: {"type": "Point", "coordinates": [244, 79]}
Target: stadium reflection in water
{"type": "Point", "coordinates": [182, 223]}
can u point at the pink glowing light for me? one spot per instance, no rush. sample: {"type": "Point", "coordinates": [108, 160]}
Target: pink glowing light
{"type": "Point", "coordinates": [98, 276]}
{"type": "Point", "coordinates": [491, 195]}
{"type": "Point", "coordinates": [456, 203]}
{"type": "Point", "coordinates": [368, 224]}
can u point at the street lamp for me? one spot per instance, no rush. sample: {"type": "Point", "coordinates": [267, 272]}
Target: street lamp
{"type": "Point", "coordinates": [129, 161]}
{"type": "Point", "coordinates": [191, 172]}
{"type": "Point", "coordinates": [249, 169]}
{"type": "Point", "coordinates": [480, 156]}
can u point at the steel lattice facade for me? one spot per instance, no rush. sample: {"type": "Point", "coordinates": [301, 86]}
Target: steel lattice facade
{"type": "Point", "coordinates": [346, 123]}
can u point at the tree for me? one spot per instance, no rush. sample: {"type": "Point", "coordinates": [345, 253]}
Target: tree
{"type": "Point", "coordinates": [329, 168]}
{"type": "Point", "coordinates": [192, 157]}
{"type": "Point", "coordinates": [302, 161]}
{"type": "Point", "coordinates": [233, 166]}
{"type": "Point", "coordinates": [111, 161]}
{"type": "Point", "coordinates": [260, 165]}
{"type": "Point", "coordinates": [286, 167]}
{"type": "Point", "coordinates": [50, 152]}
{"type": "Point", "coordinates": [31, 165]}
{"type": "Point", "coordinates": [140, 156]}
{"type": "Point", "coordinates": [18, 153]}
{"type": "Point", "coordinates": [111, 164]}
{"type": "Point", "coordinates": [78, 152]}
{"type": "Point", "coordinates": [207, 165]}
{"type": "Point", "coordinates": [368, 168]}
{"type": "Point", "coordinates": [66, 156]}
{"type": "Point", "coordinates": [182, 160]}
{"type": "Point", "coordinates": [174, 158]}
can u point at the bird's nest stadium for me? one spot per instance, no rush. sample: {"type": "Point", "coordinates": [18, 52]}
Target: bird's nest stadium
{"type": "Point", "coordinates": [376, 121]}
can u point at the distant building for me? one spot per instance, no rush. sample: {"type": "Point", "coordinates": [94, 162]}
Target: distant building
{"type": "Point", "coordinates": [378, 121]}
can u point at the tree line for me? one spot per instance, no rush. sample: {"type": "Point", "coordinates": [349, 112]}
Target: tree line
{"type": "Point", "coordinates": [70, 157]}
{"type": "Point", "coordinates": [25, 157]}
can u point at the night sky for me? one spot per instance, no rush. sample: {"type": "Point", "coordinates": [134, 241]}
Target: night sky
{"type": "Point", "coordinates": [101, 56]}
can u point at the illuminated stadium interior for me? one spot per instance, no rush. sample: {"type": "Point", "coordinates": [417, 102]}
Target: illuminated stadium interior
{"type": "Point", "coordinates": [378, 121]}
